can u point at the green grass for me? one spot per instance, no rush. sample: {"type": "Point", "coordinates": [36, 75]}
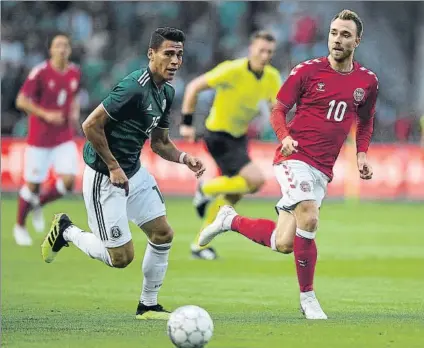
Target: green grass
{"type": "Point", "coordinates": [370, 281]}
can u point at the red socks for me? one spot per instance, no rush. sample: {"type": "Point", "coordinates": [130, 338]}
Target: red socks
{"type": "Point", "coordinates": [305, 256]}
{"type": "Point", "coordinates": [257, 230]}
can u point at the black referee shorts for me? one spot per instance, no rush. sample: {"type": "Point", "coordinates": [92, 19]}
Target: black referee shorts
{"type": "Point", "coordinates": [229, 153]}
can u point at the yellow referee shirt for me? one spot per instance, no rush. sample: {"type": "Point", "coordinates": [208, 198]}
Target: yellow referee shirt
{"type": "Point", "coordinates": [238, 95]}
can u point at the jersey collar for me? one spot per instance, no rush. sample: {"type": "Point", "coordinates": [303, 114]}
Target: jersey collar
{"type": "Point", "coordinates": [258, 76]}
{"type": "Point", "coordinates": [159, 89]}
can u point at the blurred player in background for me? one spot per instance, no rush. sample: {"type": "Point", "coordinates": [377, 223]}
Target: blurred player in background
{"type": "Point", "coordinates": [116, 187]}
{"type": "Point", "coordinates": [49, 97]}
{"type": "Point", "coordinates": [241, 85]}
{"type": "Point", "coordinates": [331, 94]}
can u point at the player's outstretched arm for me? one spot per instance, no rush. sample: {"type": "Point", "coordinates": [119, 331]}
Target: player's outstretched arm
{"type": "Point", "coordinates": [162, 145]}
{"type": "Point", "coordinates": [93, 128]}
{"type": "Point", "coordinates": [28, 106]}
{"type": "Point", "coordinates": [187, 130]}
{"type": "Point", "coordinates": [76, 113]}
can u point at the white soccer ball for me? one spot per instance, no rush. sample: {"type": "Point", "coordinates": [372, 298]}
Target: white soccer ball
{"type": "Point", "coordinates": [190, 327]}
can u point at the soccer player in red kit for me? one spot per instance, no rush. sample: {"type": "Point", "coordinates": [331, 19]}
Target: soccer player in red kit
{"type": "Point", "coordinates": [49, 96]}
{"type": "Point", "coordinates": [330, 93]}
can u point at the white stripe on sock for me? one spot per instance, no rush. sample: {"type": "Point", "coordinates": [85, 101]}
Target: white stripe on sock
{"type": "Point", "coordinates": [305, 234]}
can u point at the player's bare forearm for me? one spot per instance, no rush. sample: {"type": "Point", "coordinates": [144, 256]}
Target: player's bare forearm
{"type": "Point", "coordinates": [25, 104]}
{"type": "Point", "coordinates": [163, 146]}
{"type": "Point", "coordinates": [76, 114]}
{"type": "Point", "coordinates": [190, 96]}
{"type": "Point", "coordinates": [93, 128]}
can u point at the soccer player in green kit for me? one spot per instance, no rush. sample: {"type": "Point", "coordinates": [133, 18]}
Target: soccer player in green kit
{"type": "Point", "coordinates": [116, 187]}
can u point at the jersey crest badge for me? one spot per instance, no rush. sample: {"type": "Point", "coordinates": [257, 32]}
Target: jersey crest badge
{"type": "Point", "coordinates": [115, 232]}
{"type": "Point", "coordinates": [358, 94]}
{"type": "Point", "coordinates": [321, 87]}
{"type": "Point", "coordinates": [305, 186]}
{"type": "Point", "coordinates": [163, 105]}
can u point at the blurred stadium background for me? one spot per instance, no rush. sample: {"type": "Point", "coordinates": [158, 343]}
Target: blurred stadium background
{"type": "Point", "coordinates": [371, 258]}
{"type": "Point", "coordinates": [110, 40]}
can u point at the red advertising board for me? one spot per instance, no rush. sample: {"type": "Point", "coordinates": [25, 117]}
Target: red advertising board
{"type": "Point", "coordinates": [398, 170]}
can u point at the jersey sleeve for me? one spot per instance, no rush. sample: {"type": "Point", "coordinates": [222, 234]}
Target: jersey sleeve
{"type": "Point", "coordinates": [292, 88]}
{"type": "Point", "coordinates": [221, 75]}
{"type": "Point", "coordinates": [165, 120]}
{"type": "Point", "coordinates": [365, 122]}
{"type": "Point", "coordinates": [368, 108]}
{"type": "Point", "coordinates": [121, 96]}
{"type": "Point", "coordinates": [32, 84]}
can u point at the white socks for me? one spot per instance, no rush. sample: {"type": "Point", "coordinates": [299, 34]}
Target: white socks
{"type": "Point", "coordinates": [155, 264]}
{"type": "Point", "coordinates": [88, 243]}
{"type": "Point", "coordinates": [28, 196]}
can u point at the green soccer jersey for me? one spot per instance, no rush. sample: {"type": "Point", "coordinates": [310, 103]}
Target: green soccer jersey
{"type": "Point", "coordinates": [135, 106]}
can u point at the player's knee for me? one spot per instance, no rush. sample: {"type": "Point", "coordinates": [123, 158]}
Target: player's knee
{"type": "Point", "coordinates": [256, 182]}
{"type": "Point", "coordinates": [163, 235]}
{"type": "Point", "coordinates": [284, 247]}
{"type": "Point", "coordinates": [68, 182]}
{"type": "Point", "coordinates": [121, 259]}
{"type": "Point", "coordinates": [307, 214]}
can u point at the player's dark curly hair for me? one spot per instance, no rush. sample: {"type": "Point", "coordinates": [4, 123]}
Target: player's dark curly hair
{"type": "Point", "coordinates": [166, 33]}
{"type": "Point", "coordinates": [55, 34]}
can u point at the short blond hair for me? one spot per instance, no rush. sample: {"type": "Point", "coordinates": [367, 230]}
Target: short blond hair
{"type": "Point", "coordinates": [348, 15]}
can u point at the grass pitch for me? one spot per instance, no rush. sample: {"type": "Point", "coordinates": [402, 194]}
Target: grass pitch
{"type": "Point", "coordinates": [370, 281]}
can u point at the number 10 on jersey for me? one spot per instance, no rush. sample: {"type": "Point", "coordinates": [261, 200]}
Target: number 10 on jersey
{"type": "Point", "coordinates": [339, 111]}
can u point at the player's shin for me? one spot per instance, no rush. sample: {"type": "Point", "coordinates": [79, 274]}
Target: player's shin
{"type": "Point", "coordinates": [155, 264]}
{"type": "Point", "coordinates": [88, 243]}
{"type": "Point", "coordinates": [260, 231]}
{"type": "Point", "coordinates": [27, 200]}
{"type": "Point", "coordinates": [305, 256]}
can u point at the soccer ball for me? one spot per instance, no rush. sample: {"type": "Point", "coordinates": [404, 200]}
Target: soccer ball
{"type": "Point", "coordinates": [190, 327]}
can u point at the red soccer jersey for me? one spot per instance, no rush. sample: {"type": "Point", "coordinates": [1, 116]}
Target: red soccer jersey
{"type": "Point", "coordinates": [52, 90]}
{"type": "Point", "coordinates": [328, 102]}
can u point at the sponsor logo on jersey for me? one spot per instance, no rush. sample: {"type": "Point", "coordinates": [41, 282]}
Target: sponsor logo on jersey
{"type": "Point", "coordinates": [149, 108]}
{"type": "Point", "coordinates": [51, 84]}
{"type": "Point", "coordinates": [358, 94]}
{"type": "Point", "coordinates": [321, 87]}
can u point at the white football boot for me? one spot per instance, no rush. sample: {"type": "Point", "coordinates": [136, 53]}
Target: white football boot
{"type": "Point", "coordinates": [38, 221]}
{"type": "Point", "coordinates": [310, 306]}
{"type": "Point", "coordinates": [22, 236]}
{"type": "Point", "coordinates": [221, 224]}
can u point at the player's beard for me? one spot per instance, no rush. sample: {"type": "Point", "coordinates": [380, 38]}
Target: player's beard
{"type": "Point", "coordinates": [345, 56]}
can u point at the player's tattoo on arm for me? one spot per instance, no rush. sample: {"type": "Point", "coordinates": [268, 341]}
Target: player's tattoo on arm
{"type": "Point", "coordinates": [93, 128]}
{"type": "Point", "coordinates": [162, 145]}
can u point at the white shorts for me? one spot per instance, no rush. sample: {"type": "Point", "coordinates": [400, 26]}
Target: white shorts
{"type": "Point", "coordinates": [299, 182]}
{"type": "Point", "coordinates": [38, 161]}
{"type": "Point", "coordinates": [109, 210]}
